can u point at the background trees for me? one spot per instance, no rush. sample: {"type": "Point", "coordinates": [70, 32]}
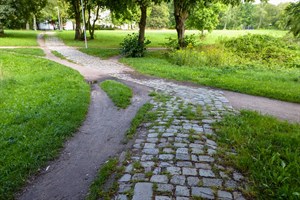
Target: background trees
{"type": "Point", "coordinates": [293, 12]}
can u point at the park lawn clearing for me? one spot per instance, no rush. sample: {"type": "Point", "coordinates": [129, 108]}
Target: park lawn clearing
{"type": "Point", "coordinates": [158, 38]}
{"type": "Point", "coordinates": [267, 151]}
{"type": "Point", "coordinates": [42, 103]}
{"type": "Point", "coordinates": [25, 51]}
{"type": "Point", "coordinates": [119, 93]}
{"type": "Point", "coordinates": [282, 84]}
{"type": "Point", "coordinates": [19, 38]}
{"type": "Point", "coordinates": [101, 53]}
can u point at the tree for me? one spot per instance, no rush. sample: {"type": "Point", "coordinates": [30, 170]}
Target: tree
{"type": "Point", "coordinates": [159, 16]}
{"type": "Point", "coordinates": [13, 10]}
{"type": "Point", "coordinates": [205, 17]}
{"type": "Point", "coordinates": [76, 12]}
{"type": "Point", "coordinates": [182, 9]}
{"type": "Point", "coordinates": [293, 12]}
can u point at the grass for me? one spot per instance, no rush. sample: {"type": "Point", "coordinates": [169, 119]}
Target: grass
{"type": "Point", "coordinates": [19, 38]}
{"type": "Point", "coordinates": [143, 115]}
{"type": "Point", "coordinates": [268, 152]}
{"type": "Point", "coordinates": [42, 103]}
{"type": "Point", "coordinates": [97, 189]}
{"type": "Point", "coordinates": [59, 55]}
{"type": "Point", "coordinates": [119, 93]}
{"type": "Point", "coordinates": [282, 84]}
{"type": "Point", "coordinates": [113, 38]}
{"type": "Point", "coordinates": [25, 51]}
{"type": "Point", "coordinates": [101, 53]}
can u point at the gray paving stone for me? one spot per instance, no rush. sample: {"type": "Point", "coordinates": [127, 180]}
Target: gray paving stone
{"type": "Point", "coordinates": [121, 197]}
{"type": "Point", "coordinates": [143, 191]}
{"type": "Point", "coordinates": [152, 140]}
{"type": "Point", "coordinates": [211, 142]}
{"type": "Point", "coordinates": [152, 135]}
{"type": "Point", "coordinates": [182, 151]}
{"type": "Point", "coordinates": [180, 145]}
{"type": "Point", "coordinates": [230, 184]}
{"type": "Point", "coordinates": [238, 196]}
{"type": "Point", "coordinates": [168, 135]}
{"type": "Point", "coordinates": [174, 170]}
{"type": "Point", "coordinates": [198, 146]}
{"type": "Point", "coordinates": [147, 164]}
{"type": "Point", "coordinates": [197, 151]}
{"type": "Point", "coordinates": [206, 159]}
{"type": "Point", "coordinates": [166, 156]}
{"type": "Point", "coordinates": [138, 177]}
{"type": "Point", "coordinates": [125, 178]}
{"type": "Point", "coordinates": [162, 198]}
{"type": "Point", "coordinates": [149, 146]}
{"type": "Point", "coordinates": [193, 181]}
{"type": "Point", "coordinates": [206, 173]}
{"type": "Point", "coordinates": [237, 176]}
{"type": "Point", "coordinates": [182, 198]}
{"type": "Point", "coordinates": [203, 192]}
{"type": "Point", "coordinates": [151, 151]}
{"type": "Point", "coordinates": [184, 164]}
{"type": "Point", "coordinates": [178, 179]}
{"type": "Point", "coordinates": [168, 150]}
{"type": "Point", "coordinates": [183, 157]}
{"type": "Point", "coordinates": [159, 179]}
{"type": "Point", "coordinates": [182, 191]}
{"type": "Point", "coordinates": [223, 195]}
{"type": "Point", "coordinates": [202, 165]}
{"type": "Point", "coordinates": [157, 171]}
{"type": "Point", "coordinates": [137, 146]}
{"type": "Point", "coordinates": [124, 187]}
{"type": "Point", "coordinates": [212, 182]}
{"type": "Point", "coordinates": [147, 157]}
{"type": "Point", "coordinates": [189, 171]}
{"type": "Point", "coordinates": [128, 168]}
{"type": "Point", "coordinates": [182, 135]}
{"type": "Point", "coordinates": [165, 187]}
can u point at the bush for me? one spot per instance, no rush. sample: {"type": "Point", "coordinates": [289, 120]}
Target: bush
{"type": "Point", "coordinates": [130, 47]}
{"type": "Point", "coordinates": [189, 40]}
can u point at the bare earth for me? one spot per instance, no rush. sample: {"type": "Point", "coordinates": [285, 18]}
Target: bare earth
{"type": "Point", "coordinates": [100, 136]}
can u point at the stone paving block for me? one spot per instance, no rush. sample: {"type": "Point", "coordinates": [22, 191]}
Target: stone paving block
{"type": "Point", "coordinates": [184, 164]}
{"type": "Point", "coordinates": [124, 187]}
{"type": "Point", "coordinates": [165, 187]}
{"type": "Point", "coordinates": [182, 191]}
{"type": "Point", "coordinates": [193, 181]}
{"type": "Point", "coordinates": [182, 198]}
{"type": "Point", "coordinates": [137, 146]}
{"type": "Point", "coordinates": [237, 176]}
{"type": "Point", "coordinates": [152, 135]}
{"type": "Point", "coordinates": [151, 151]}
{"type": "Point", "coordinates": [203, 192]}
{"type": "Point", "coordinates": [178, 179]}
{"type": "Point", "coordinates": [162, 198]}
{"type": "Point", "coordinates": [180, 145]}
{"type": "Point", "coordinates": [182, 151]}
{"type": "Point", "coordinates": [121, 197]}
{"type": "Point", "coordinates": [211, 152]}
{"type": "Point", "coordinates": [194, 158]}
{"type": "Point", "coordinates": [168, 135]}
{"type": "Point", "coordinates": [143, 191]}
{"type": "Point", "coordinates": [182, 135]}
{"type": "Point", "coordinates": [168, 150]}
{"type": "Point", "coordinates": [125, 178]}
{"type": "Point", "coordinates": [166, 156]}
{"type": "Point", "coordinates": [128, 168]}
{"type": "Point", "coordinates": [174, 170]}
{"type": "Point", "coordinates": [183, 157]}
{"type": "Point", "coordinates": [230, 184]}
{"type": "Point", "coordinates": [206, 159]}
{"type": "Point", "coordinates": [198, 146]}
{"type": "Point", "coordinates": [152, 140]}
{"type": "Point", "coordinates": [147, 164]}
{"type": "Point", "coordinates": [212, 182]}
{"type": "Point", "coordinates": [159, 179]}
{"type": "Point", "coordinates": [206, 173]}
{"type": "Point", "coordinates": [138, 177]}
{"type": "Point", "coordinates": [238, 196]}
{"type": "Point", "coordinates": [189, 171]}
{"type": "Point", "coordinates": [211, 142]}
{"type": "Point", "coordinates": [223, 195]}
{"type": "Point", "coordinates": [149, 146]}
{"type": "Point", "coordinates": [165, 164]}
{"type": "Point", "coordinates": [163, 144]}
{"type": "Point", "coordinates": [147, 157]}
{"type": "Point", "coordinates": [197, 151]}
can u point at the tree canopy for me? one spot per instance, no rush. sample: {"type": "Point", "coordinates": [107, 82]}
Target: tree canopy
{"type": "Point", "coordinates": [293, 12]}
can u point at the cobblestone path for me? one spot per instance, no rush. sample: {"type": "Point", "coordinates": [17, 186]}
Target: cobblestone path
{"type": "Point", "coordinates": [175, 156]}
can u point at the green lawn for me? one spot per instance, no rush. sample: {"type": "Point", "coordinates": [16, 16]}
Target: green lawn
{"type": "Point", "coordinates": [42, 103]}
{"type": "Point", "coordinates": [25, 51]}
{"type": "Point", "coordinates": [119, 93]}
{"type": "Point", "coordinates": [113, 38]}
{"type": "Point", "coordinates": [268, 152]}
{"type": "Point", "coordinates": [19, 38]}
{"type": "Point", "coordinates": [283, 84]}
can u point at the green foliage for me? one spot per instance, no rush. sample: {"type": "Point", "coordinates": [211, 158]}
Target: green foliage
{"type": "Point", "coordinates": [159, 16]}
{"type": "Point", "coordinates": [189, 41]}
{"type": "Point", "coordinates": [42, 103]}
{"type": "Point", "coordinates": [119, 93]}
{"type": "Point", "coordinates": [143, 115]}
{"type": "Point", "coordinates": [264, 49]}
{"type": "Point", "coordinates": [267, 151]}
{"type": "Point", "coordinates": [130, 47]}
{"type": "Point", "coordinates": [293, 11]}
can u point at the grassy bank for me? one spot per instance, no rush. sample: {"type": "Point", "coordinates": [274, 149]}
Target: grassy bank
{"type": "Point", "coordinates": [267, 150]}
{"type": "Point", "coordinates": [19, 38]}
{"type": "Point", "coordinates": [42, 103]}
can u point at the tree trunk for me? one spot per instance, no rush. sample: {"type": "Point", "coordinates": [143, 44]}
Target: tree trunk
{"type": "Point", "coordinates": [1, 29]}
{"type": "Point", "coordinates": [76, 7]}
{"type": "Point", "coordinates": [142, 24]}
{"type": "Point", "coordinates": [180, 14]}
{"type": "Point", "coordinates": [92, 26]}
{"type": "Point", "coordinates": [27, 26]}
{"type": "Point", "coordinates": [34, 23]}
{"type": "Point", "coordinates": [225, 26]}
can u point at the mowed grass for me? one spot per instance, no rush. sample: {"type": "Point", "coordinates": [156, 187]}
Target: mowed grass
{"type": "Point", "coordinates": [42, 103]}
{"type": "Point", "coordinates": [113, 38]}
{"type": "Point", "coordinates": [19, 38]}
{"type": "Point", "coordinates": [282, 84]}
{"type": "Point", "coordinates": [119, 93]}
{"type": "Point", "coordinates": [25, 51]}
{"type": "Point", "coordinates": [268, 152]}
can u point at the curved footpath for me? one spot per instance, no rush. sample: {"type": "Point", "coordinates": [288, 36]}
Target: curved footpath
{"type": "Point", "coordinates": [70, 176]}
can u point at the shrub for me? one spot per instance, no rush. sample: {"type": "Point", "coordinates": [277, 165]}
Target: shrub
{"type": "Point", "coordinates": [130, 47]}
{"type": "Point", "coordinates": [189, 40]}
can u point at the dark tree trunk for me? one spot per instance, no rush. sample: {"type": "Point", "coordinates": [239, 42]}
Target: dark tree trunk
{"type": "Point", "coordinates": [76, 7]}
{"type": "Point", "coordinates": [92, 26]}
{"type": "Point", "coordinates": [142, 24]}
{"type": "Point", "coordinates": [1, 29]}
{"type": "Point", "coordinates": [180, 14]}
